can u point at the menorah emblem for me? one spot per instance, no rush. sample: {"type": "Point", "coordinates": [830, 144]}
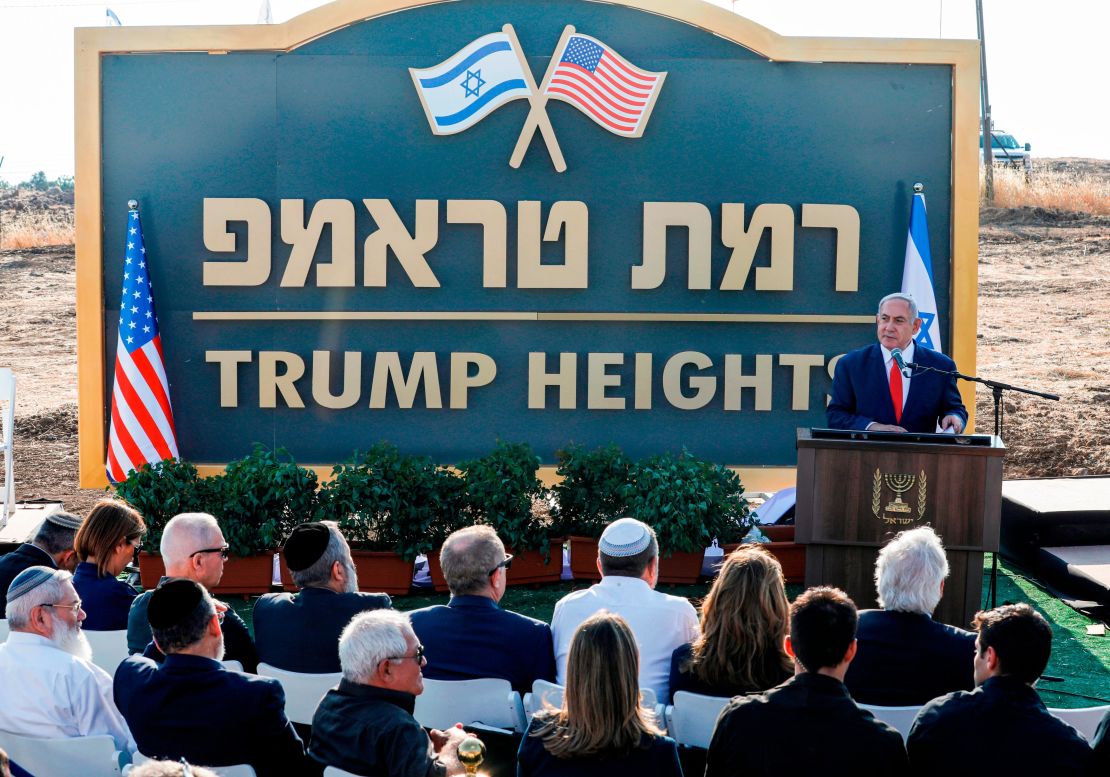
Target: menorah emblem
{"type": "Point", "coordinates": [898, 512]}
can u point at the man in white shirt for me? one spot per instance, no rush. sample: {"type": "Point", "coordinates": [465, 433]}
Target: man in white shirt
{"type": "Point", "coordinates": [48, 686]}
{"type": "Point", "coordinates": [628, 559]}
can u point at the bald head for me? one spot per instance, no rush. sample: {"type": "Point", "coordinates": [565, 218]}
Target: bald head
{"type": "Point", "coordinates": [184, 536]}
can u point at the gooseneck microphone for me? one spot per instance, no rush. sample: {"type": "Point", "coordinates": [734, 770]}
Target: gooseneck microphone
{"type": "Point", "coordinates": [896, 354]}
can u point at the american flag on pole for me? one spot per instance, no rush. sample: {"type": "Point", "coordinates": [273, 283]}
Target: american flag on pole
{"type": "Point", "coordinates": [142, 420]}
{"type": "Point", "coordinates": [606, 87]}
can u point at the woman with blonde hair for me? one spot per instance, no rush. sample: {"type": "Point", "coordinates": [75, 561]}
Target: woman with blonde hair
{"type": "Point", "coordinates": [744, 621]}
{"type": "Point", "coordinates": [106, 542]}
{"type": "Point", "coordinates": [601, 728]}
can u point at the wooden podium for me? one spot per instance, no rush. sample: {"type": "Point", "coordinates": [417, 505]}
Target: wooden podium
{"type": "Point", "coordinates": [856, 490]}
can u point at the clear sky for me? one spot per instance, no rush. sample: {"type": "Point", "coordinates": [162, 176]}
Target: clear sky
{"type": "Point", "coordinates": [1043, 60]}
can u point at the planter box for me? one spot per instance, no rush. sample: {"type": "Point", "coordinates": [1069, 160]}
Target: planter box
{"type": "Point", "coordinates": [528, 567]}
{"type": "Point", "coordinates": [249, 575]}
{"type": "Point", "coordinates": [679, 568]}
{"type": "Point", "coordinates": [378, 572]}
{"type": "Point", "coordinates": [791, 555]}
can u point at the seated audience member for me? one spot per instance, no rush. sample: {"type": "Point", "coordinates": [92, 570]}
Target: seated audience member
{"type": "Point", "coordinates": [156, 768]}
{"type": "Point", "coordinates": [744, 621]}
{"type": "Point", "coordinates": [106, 543]}
{"type": "Point", "coordinates": [193, 547]}
{"type": "Point", "coordinates": [1003, 722]}
{"type": "Point", "coordinates": [52, 547]}
{"type": "Point", "coordinates": [49, 688]}
{"type": "Point", "coordinates": [471, 636]}
{"type": "Point", "coordinates": [809, 724]}
{"type": "Point", "coordinates": [365, 725]}
{"type": "Point", "coordinates": [628, 559]}
{"type": "Point", "coordinates": [300, 632]}
{"type": "Point", "coordinates": [601, 729]}
{"type": "Point", "coordinates": [905, 657]}
{"type": "Point", "coordinates": [190, 706]}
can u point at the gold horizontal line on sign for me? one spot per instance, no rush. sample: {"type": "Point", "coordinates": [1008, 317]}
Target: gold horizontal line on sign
{"type": "Point", "coordinates": [523, 315]}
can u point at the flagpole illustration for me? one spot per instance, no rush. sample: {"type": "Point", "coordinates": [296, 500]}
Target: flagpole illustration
{"type": "Point", "coordinates": [537, 116]}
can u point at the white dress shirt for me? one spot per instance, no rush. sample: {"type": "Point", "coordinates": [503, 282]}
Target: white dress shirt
{"type": "Point", "coordinates": [48, 693]}
{"type": "Point", "coordinates": [660, 623]}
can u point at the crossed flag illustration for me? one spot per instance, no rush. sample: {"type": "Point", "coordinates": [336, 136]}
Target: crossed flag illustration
{"type": "Point", "coordinates": [492, 71]}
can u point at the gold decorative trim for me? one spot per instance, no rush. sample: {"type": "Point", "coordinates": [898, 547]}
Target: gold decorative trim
{"type": "Point", "coordinates": [93, 42]}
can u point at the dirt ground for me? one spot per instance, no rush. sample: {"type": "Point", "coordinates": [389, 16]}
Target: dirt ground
{"type": "Point", "coordinates": [1044, 323]}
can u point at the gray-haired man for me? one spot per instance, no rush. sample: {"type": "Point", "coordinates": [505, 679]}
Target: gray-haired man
{"type": "Point", "coordinates": [51, 547]}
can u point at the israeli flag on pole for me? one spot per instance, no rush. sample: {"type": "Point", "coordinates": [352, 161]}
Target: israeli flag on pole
{"type": "Point", "coordinates": [465, 88]}
{"type": "Point", "coordinates": [917, 276]}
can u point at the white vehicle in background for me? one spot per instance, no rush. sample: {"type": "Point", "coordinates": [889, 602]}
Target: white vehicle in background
{"type": "Point", "coordinates": [1007, 151]}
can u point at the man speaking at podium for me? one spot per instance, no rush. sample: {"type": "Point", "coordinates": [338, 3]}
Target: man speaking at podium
{"type": "Point", "coordinates": [873, 391]}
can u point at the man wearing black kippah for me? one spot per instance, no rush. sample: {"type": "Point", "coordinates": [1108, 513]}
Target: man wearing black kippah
{"type": "Point", "coordinates": [191, 706]}
{"type": "Point", "coordinates": [300, 632]}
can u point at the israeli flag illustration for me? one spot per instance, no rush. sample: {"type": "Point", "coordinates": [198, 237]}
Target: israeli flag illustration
{"type": "Point", "coordinates": [917, 276]}
{"type": "Point", "coordinates": [465, 88]}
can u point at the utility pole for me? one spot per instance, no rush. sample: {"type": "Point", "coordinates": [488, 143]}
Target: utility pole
{"type": "Point", "coordinates": [985, 109]}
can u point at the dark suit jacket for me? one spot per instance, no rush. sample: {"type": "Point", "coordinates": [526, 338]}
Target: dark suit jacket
{"type": "Point", "coordinates": [238, 645]}
{"type": "Point", "coordinates": [105, 600]}
{"type": "Point", "coordinates": [908, 658]}
{"type": "Point", "coordinates": [471, 637]}
{"type": "Point", "coordinates": [300, 632]}
{"type": "Point", "coordinates": [191, 707]}
{"type": "Point", "coordinates": [809, 725]}
{"type": "Point", "coordinates": [861, 392]}
{"type": "Point", "coordinates": [11, 564]}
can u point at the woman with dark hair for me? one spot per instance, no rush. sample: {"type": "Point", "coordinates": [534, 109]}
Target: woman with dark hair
{"type": "Point", "coordinates": [601, 729]}
{"type": "Point", "coordinates": [744, 621]}
{"type": "Point", "coordinates": [106, 543]}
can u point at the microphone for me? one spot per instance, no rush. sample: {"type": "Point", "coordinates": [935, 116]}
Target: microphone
{"type": "Point", "coordinates": [896, 354]}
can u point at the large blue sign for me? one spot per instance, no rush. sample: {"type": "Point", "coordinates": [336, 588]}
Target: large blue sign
{"type": "Point", "coordinates": [547, 222]}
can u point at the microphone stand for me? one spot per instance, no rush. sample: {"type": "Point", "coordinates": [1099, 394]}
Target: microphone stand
{"type": "Point", "coordinates": [996, 391]}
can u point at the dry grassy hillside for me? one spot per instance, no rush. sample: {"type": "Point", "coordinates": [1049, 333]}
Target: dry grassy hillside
{"type": "Point", "coordinates": [1044, 322]}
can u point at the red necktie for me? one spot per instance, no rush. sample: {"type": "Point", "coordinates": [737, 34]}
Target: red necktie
{"type": "Point", "coordinates": [896, 390]}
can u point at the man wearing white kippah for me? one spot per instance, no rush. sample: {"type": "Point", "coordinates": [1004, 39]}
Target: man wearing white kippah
{"type": "Point", "coordinates": [48, 687]}
{"type": "Point", "coordinates": [628, 559]}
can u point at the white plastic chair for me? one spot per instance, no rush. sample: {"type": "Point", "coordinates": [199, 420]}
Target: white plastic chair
{"type": "Point", "coordinates": [88, 756]}
{"type": "Point", "coordinates": [234, 666]}
{"type": "Point", "coordinates": [490, 701]}
{"type": "Point", "coordinates": [1085, 720]}
{"type": "Point", "coordinates": [3, 630]}
{"type": "Point", "coordinates": [303, 691]}
{"type": "Point", "coordinates": [900, 718]}
{"type": "Point", "coordinates": [7, 431]}
{"type": "Point", "coordinates": [692, 717]}
{"type": "Point", "coordinates": [238, 770]}
{"type": "Point", "coordinates": [545, 694]}
{"type": "Point", "coordinates": [335, 771]}
{"type": "Point", "coordinates": [109, 648]}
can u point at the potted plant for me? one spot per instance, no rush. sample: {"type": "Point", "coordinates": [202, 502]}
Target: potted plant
{"type": "Point", "coordinates": [689, 502]}
{"type": "Point", "coordinates": [502, 490]}
{"type": "Point", "coordinates": [591, 495]}
{"type": "Point", "coordinates": [391, 507]}
{"type": "Point", "coordinates": [257, 501]}
{"type": "Point", "coordinates": [159, 491]}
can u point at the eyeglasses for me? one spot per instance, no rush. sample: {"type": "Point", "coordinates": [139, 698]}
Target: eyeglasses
{"type": "Point", "coordinates": [74, 608]}
{"type": "Point", "coordinates": [137, 543]}
{"type": "Point", "coordinates": [507, 562]}
{"type": "Point", "coordinates": [418, 657]}
{"type": "Point", "coordinates": [222, 551]}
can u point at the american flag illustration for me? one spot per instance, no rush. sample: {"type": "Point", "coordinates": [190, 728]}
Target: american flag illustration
{"type": "Point", "coordinates": [142, 420]}
{"type": "Point", "coordinates": [606, 87]}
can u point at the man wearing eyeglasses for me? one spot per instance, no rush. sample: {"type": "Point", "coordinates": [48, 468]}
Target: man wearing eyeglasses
{"type": "Point", "coordinates": [48, 686]}
{"type": "Point", "coordinates": [471, 636]}
{"type": "Point", "coordinates": [366, 725]}
{"type": "Point", "coordinates": [193, 548]}
{"type": "Point", "coordinates": [192, 707]}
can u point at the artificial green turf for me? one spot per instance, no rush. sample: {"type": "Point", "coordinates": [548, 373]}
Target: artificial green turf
{"type": "Point", "coordinates": [1081, 662]}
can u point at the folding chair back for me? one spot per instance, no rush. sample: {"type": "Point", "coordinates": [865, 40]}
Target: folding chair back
{"type": "Point", "coordinates": [690, 720]}
{"type": "Point", "coordinates": [88, 756]}
{"type": "Point", "coordinates": [490, 701]}
{"type": "Point", "coordinates": [1085, 720]}
{"type": "Point", "coordinates": [109, 648]}
{"type": "Point", "coordinates": [303, 691]}
{"type": "Point", "coordinates": [900, 718]}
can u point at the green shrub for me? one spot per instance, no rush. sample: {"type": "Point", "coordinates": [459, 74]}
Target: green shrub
{"type": "Point", "coordinates": [593, 489]}
{"type": "Point", "coordinates": [502, 490]}
{"type": "Point", "coordinates": [160, 491]}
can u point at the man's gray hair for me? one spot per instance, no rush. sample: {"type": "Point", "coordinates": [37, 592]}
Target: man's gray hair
{"type": "Point", "coordinates": [910, 570]}
{"type": "Point", "coordinates": [319, 574]}
{"type": "Point", "coordinates": [907, 298]}
{"type": "Point", "coordinates": [48, 592]}
{"type": "Point", "coordinates": [370, 638]}
{"type": "Point", "coordinates": [55, 539]}
{"type": "Point", "coordinates": [467, 556]}
{"type": "Point", "coordinates": [185, 534]}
